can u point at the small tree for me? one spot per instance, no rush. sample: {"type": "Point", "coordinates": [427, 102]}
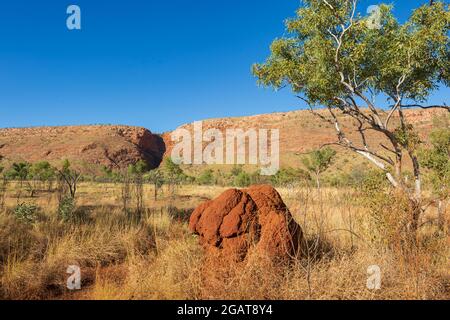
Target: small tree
{"type": "Point", "coordinates": [41, 172]}
{"type": "Point", "coordinates": [126, 191]}
{"type": "Point", "coordinates": [137, 171]}
{"type": "Point", "coordinates": [172, 169]}
{"type": "Point", "coordinates": [318, 162]}
{"type": "Point", "coordinates": [206, 178]}
{"type": "Point", "coordinates": [69, 177]}
{"type": "Point", "coordinates": [155, 177]}
{"type": "Point", "coordinates": [19, 171]}
{"type": "Point", "coordinates": [67, 188]}
{"type": "Point", "coordinates": [174, 174]}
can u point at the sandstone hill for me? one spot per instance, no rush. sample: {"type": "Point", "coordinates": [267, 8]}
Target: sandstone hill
{"type": "Point", "coordinates": [118, 146]}
{"type": "Point", "coordinates": [301, 132]}
{"type": "Point", "coordinates": [112, 146]}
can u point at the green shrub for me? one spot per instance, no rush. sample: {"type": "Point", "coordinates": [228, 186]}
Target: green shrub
{"type": "Point", "coordinates": [206, 178]}
{"type": "Point", "coordinates": [26, 212]}
{"type": "Point", "coordinates": [236, 170]}
{"type": "Point", "coordinates": [289, 176]}
{"type": "Point", "coordinates": [374, 183]}
{"type": "Point", "coordinates": [66, 208]}
{"type": "Point", "coordinates": [18, 171]}
{"type": "Point", "coordinates": [242, 180]}
{"type": "Point", "coordinates": [42, 171]}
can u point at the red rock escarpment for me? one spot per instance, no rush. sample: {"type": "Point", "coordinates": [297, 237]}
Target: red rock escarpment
{"type": "Point", "coordinates": [115, 147]}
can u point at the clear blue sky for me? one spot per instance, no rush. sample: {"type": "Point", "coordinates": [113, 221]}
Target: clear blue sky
{"type": "Point", "coordinates": [156, 64]}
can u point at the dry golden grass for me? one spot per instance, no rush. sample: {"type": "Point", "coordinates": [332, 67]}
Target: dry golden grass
{"type": "Point", "coordinates": [156, 257]}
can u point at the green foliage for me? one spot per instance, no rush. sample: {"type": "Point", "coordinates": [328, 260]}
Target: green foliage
{"type": "Point", "coordinates": [440, 139]}
{"type": "Point", "coordinates": [26, 212]}
{"type": "Point", "coordinates": [242, 180]}
{"type": "Point", "coordinates": [172, 168]}
{"type": "Point", "coordinates": [408, 137]}
{"type": "Point", "coordinates": [66, 208]}
{"type": "Point", "coordinates": [374, 58]}
{"type": "Point", "coordinates": [66, 172]}
{"type": "Point", "coordinates": [319, 160]}
{"type": "Point", "coordinates": [70, 177]}
{"type": "Point", "coordinates": [374, 183]}
{"type": "Point", "coordinates": [139, 168]}
{"type": "Point", "coordinates": [18, 171]}
{"type": "Point", "coordinates": [155, 177]}
{"type": "Point", "coordinates": [358, 176]}
{"type": "Point", "coordinates": [289, 176]}
{"type": "Point", "coordinates": [42, 171]}
{"type": "Point", "coordinates": [437, 160]}
{"type": "Point", "coordinates": [173, 172]}
{"type": "Point", "coordinates": [107, 171]}
{"type": "Point", "coordinates": [238, 177]}
{"type": "Point", "coordinates": [66, 166]}
{"type": "Point", "coordinates": [206, 178]}
{"type": "Point", "coordinates": [388, 212]}
{"type": "Point", "coordinates": [109, 175]}
{"type": "Point", "coordinates": [236, 170]}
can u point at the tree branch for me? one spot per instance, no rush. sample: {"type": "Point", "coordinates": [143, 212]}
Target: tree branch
{"type": "Point", "coordinates": [427, 107]}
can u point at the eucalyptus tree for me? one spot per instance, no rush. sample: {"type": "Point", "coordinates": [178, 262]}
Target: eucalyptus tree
{"type": "Point", "coordinates": [333, 57]}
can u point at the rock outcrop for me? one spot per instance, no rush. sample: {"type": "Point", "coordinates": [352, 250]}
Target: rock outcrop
{"type": "Point", "coordinates": [118, 146]}
{"type": "Point", "coordinates": [114, 147]}
{"type": "Point", "coordinates": [301, 131]}
{"type": "Point", "coordinates": [241, 219]}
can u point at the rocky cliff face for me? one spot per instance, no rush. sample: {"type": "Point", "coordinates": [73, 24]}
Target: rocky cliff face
{"type": "Point", "coordinates": [115, 147]}
{"type": "Point", "coordinates": [118, 146]}
{"type": "Point", "coordinates": [301, 131]}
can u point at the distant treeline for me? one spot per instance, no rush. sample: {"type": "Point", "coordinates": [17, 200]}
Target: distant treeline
{"type": "Point", "coordinates": [171, 173]}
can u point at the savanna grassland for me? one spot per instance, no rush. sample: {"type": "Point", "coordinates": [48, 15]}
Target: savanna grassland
{"type": "Point", "coordinates": [363, 169]}
{"type": "Point", "coordinates": [153, 255]}
{"type": "Point", "coordinates": [128, 229]}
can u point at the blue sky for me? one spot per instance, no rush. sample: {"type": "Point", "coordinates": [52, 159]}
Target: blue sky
{"type": "Point", "coordinates": [157, 64]}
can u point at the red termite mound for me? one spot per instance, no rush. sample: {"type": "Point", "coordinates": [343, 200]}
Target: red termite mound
{"type": "Point", "coordinates": [240, 219]}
